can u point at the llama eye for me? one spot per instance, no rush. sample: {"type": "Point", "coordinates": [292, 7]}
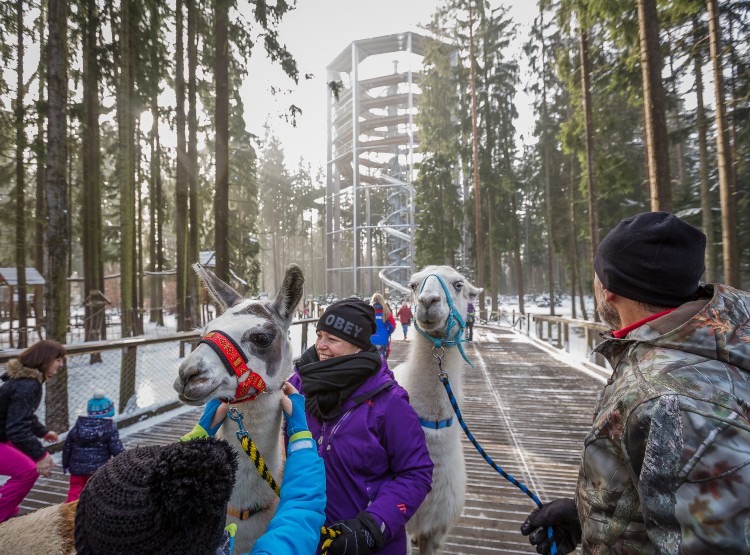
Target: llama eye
{"type": "Point", "coordinates": [261, 339]}
{"type": "Point", "coordinates": [459, 285]}
{"type": "Point", "coordinates": [413, 286]}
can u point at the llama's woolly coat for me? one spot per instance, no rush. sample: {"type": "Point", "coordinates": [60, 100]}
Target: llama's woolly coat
{"type": "Point", "coordinates": [48, 531]}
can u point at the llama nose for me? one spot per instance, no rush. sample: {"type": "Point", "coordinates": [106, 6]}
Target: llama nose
{"type": "Point", "coordinates": [187, 371]}
{"type": "Point", "coordinates": [427, 300]}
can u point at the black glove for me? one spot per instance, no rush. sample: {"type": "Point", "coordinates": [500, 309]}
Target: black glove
{"type": "Point", "coordinates": [359, 536]}
{"type": "Point", "coordinates": [562, 515]}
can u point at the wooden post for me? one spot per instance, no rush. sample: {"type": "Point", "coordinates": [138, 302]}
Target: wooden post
{"type": "Point", "coordinates": [304, 336]}
{"type": "Point", "coordinates": [566, 338]}
{"type": "Point", "coordinates": [127, 376]}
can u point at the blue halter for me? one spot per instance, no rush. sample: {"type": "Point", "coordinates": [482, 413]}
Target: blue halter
{"type": "Point", "coordinates": [454, 319]}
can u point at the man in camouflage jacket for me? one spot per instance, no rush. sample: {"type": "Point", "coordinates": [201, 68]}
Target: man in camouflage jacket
{"type": "Point", "coordinates": [666, 464]}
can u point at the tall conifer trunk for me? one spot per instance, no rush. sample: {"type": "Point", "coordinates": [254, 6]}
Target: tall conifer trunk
{"type": "Point", "coordinates": [723, 151]}
{"type": "Point", "coordinates": [181, 177]}
{"type": "Point", "coordinates": [655, 109]}
{"type": "Point", "coordinates": [93, 271]}
{"type": "Point", "coordinates": [583, 50]}
{"type": "Point", "coordinates": [56, 290]}
{"type": "Point", "coordinates": [707, 217]}
{"type": "Point", "coordinates": [20, 112]}
{"type": "Point", "coordinates": [194, 209]}
{"type": "Point", "coordinates": [221, 194]}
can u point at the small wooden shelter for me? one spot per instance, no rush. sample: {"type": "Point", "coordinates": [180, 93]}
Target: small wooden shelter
{"type": "Point", "coordinates": [34, 287]}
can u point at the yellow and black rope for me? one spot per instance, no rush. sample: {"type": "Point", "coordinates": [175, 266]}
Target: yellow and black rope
{"type": "Point", "coordinates": [248, 445]}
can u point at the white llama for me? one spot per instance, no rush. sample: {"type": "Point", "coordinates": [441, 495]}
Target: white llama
{"type": "Point", "coordinates": [261, 330]}
{"type": "Point", "coordinates": [419, 376]}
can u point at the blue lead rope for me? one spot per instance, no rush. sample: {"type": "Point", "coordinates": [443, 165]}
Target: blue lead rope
{"type": "Point", "coordinates": [486, 457]}
{"type": "Point", "coordinates": [454, 318]}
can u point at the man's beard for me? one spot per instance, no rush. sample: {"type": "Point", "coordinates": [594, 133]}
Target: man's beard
{"type": "Point", "coordinates": [608, 314]}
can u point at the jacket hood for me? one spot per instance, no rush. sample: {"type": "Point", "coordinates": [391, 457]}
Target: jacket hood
{"type": "Point", "coordinates": [91, 431]}
{"type": "Point", "coordinates": [715, 327]}
{"type": "Point", "coordinates": [17, 371]}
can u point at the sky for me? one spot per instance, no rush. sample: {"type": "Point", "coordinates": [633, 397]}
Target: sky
{"type": "Point", "coordinates": [315, 33]}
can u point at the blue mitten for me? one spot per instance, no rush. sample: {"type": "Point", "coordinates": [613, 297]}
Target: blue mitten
{"type": "Point", "coordinates": [296, 425]}
{"type": "Point", "coordinates": [203, 427]}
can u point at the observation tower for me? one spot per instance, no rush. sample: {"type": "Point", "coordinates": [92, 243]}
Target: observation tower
{"type": "Point", "coordinates": [372, 148]}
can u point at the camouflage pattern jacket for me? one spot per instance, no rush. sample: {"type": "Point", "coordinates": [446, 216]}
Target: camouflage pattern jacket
{"type": "Point", "coordinates": [666, 464]}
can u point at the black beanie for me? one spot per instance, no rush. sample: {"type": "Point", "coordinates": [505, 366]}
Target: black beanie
{"type": "Point", "coordinates": [352, 320]}
{"type": "Point", "coordinates": [653, 257]}
{"type": "Point", "coordinates": [158, 499]}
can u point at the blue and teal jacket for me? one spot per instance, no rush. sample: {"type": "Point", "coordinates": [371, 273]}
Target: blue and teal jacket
{"type": "Point", "coordinates": [295, 528]}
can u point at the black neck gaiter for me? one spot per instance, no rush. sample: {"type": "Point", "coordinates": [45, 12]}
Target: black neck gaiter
{"type": "Point", "coordinates": [328, 384]}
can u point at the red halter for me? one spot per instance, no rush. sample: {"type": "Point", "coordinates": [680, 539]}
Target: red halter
{"type": "Point", "coordinates": [235, 361]}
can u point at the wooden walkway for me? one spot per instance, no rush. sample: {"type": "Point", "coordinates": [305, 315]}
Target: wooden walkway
{"type": "Point", "coordinates": [528, 410]}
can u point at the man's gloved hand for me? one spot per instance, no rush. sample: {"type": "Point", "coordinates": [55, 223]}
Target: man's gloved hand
{"type": "Point", "coordinates": [359, 536]}
{"type": "Point", "coordinates": [203, 428]}
{"type": "Point", "coordinates": [562, 515]}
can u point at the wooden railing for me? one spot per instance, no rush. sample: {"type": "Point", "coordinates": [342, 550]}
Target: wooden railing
{"type": "Point", "coordinates": [125, 369]}
{"type": "Point", "coordinates": [556, 331]}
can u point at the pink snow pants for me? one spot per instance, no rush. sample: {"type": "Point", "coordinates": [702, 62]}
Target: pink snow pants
{"type": "Point", "coordinates": [22, 471]}
{"type": "Point", "coordinates": [76, 486]}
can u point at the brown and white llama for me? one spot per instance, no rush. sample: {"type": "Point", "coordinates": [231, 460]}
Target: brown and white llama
{"type": "Point", "coordinates": [419, 375]}
{"type": "Point", "coordinates": [261, 330]}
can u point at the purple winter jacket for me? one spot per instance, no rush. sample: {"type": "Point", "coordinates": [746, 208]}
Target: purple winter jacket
{"type": "Point", "coordinates": [375, 457]}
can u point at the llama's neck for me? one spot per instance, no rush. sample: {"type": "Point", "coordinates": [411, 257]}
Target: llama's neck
{"type": "Point", "coordinates": [262, 420]}
{"type": "Point", "coordinates": [426, 392]}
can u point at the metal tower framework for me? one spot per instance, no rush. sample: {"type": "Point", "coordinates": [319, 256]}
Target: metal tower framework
{"type": "Point", "coordinates": [372, 148]}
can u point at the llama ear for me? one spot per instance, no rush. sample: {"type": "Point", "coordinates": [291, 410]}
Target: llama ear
{"type": "Point", "coordinates": [472, 292]}
{"type": "Point", "coordinates": [290, 293]}
{"type": "Point", "coordinates": [222, 293]}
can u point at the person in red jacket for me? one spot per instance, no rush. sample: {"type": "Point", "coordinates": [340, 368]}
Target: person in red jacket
{"type": "Point", "coordinates": [404, 316]}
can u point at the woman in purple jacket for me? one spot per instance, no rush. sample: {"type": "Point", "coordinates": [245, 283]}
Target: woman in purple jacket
{"type": "Point", "coordinates": [378, 469]}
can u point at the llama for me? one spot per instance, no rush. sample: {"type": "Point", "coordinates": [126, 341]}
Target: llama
{"type": "Point", "coordinates": [261, 330]}
{"type": "Point", "coordinates": [419, 376]}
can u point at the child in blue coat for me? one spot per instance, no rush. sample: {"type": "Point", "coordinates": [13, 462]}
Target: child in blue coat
{"type": "Point", "coordinates": [92, 442]}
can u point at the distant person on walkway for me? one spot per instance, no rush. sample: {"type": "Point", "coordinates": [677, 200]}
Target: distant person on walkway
{"type": "Point", "coordinates": [385, 325]}
{"type": "Point", "coordinates": [378, 469]}
{"type": "Point", "coordinates": [405, 316]}
{"type": "Point", "coordinates": [666, 464]}
{"type": "Point", "coordinates": [470, 322]}
{"type": "Point", "coordinates": [92, 442]}
{"type": "Point", "coordinates": [22, 455]}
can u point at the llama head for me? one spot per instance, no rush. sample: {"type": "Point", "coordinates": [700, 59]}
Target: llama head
{"type": "Point", "coordinates": [259, 328]}
{"type": "Point", "coordinates": [428, 295]}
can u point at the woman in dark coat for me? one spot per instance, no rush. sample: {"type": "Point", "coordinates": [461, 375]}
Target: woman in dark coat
{"type": "Point", "coordinates": [22, 455]}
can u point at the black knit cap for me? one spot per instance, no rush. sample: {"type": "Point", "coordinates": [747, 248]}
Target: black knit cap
{"type": "Point", "coordinates": [158, 499]}
{"type": "Point", "coordinates": [352, 320]}
{"type": "Point", "coordinates": [652, 257]}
